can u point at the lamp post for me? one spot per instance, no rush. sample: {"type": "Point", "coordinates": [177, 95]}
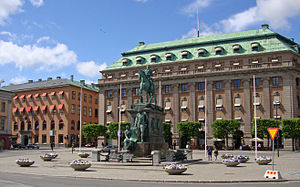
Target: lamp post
{"type": "Point", "coordinates": [277, 105]}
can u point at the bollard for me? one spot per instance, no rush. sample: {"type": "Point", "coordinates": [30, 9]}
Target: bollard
{"type": "Point", "coordinates": [189, 154]}
{"type": "Point", "coordinates": [155, 158]}
{"type": "Point", "coordinates": [96, 156]}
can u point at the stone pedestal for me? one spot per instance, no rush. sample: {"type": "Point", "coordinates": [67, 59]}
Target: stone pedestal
{"type": "Point", "coordinates": [153, 134]}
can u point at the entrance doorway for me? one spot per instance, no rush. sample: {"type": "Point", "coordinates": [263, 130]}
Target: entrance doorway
{"type": "Point", "coordinates": [237, 139]}
{"type": "Point", "coordinates": [25, 140]}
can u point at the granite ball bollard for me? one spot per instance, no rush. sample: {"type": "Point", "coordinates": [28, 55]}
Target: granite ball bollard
{"type": "Point", "coordinates": [80, 164]}
{"type": "Point", "coordinates": [83, 154]}
{"type": "Point", "coordinates": [263, 160]}
{"type": "Point", "coordinates": [46, 157]}
{"type": "Point", "coordinates": [243, 158]}
{"type": "Point", "coordinates": [231, 162]}
{"type": "Point", "coordinates": [174, 168]}
{"type": "Point", "coordinates": [24, 162]}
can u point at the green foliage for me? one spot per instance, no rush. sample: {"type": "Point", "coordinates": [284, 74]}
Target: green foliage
{"type": "Point", "coordinates": [93, 130]}
{"type": "Point", "coordinates": [167, 132]}
{"type": "Point", "coordinates": [223, 128]}
{"type": "Point", "coordinates": [113, 129]}
{"type": "Point", "coordinates": [188, 130]}
{"type": "Point", "coordinates": [263, 125]}
{"type": "Point", "coordinates": [291, 129]}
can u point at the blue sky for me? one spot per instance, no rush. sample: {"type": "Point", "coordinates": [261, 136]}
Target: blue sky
{"type": "Point", "coordinates": [49, 38]}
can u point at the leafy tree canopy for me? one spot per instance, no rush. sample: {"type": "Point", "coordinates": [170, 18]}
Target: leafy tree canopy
{"type": "Point", "coordinates": [263, 125]}
{"type": "Point", "coordinates": [113, 129]}
{"type": "Point", "coordinates": [94, 130]}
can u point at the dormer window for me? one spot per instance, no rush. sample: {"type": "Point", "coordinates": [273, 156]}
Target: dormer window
{"type": "Point", "coordinates": [255, 46]}
{"type": "Point", "coordinates": [219, 50]}
{"type": "Point", "coordinates": [201, 52]}
{"type": "Point", "coordinates": [153, 58]}
{"type": "Point", "coordinates": [139, 60]}
{"type": "Point", "coordinates": [184, 54]}
{"type": "Point", "coordinates": [236, 48]}
{"type": "Point", "coordinates": [125, 62]}
{"type": "Point", "coordinates": [169, 56]}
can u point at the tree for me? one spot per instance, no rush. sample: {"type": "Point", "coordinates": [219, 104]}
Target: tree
{"type": "Point", "coordinates": [262, 127]}
{"type": "Point", "coordinates": [167, 133]}
{"type": "Point", "coordinates": [93, 131]}
{"type": "Point", "coordinates": [188, 130]}
{"type": "Point", "coordinates": [291, 129]}
{"type": "Point", "coordinates": [114, 127]}
{"type": "Point", "coordinates": [223, 128]}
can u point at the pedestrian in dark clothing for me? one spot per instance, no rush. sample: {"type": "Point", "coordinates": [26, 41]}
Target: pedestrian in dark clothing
{"type": "Point", "coordinates": [209, 153]}
{"type": "Point", "coordinates": [216, 153]}
{"type": "Point", "coordinates": [52, 145]}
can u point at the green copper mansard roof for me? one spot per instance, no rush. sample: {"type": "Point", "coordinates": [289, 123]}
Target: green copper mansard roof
{"type": "Point", "coordinates": [267, 40]}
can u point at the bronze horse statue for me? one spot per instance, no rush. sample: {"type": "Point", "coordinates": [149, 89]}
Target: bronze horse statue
{"type": "Point", "coordinates": [147, 85]}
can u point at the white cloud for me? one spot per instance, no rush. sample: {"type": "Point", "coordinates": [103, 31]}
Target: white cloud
{"type": "Point", "coordinates": [18, 80]}
{"type": "Point", "coordinates": [37, 3]}
{"type": "Point", "coordinates": [197, 4]}
{"type": "Point", "coordinates": [44, 38]}
{"type": "Point", "coordinates": [9, 7]}
{"type": "Point", "coordinates": [90, 69]}
{"type": "Point", "coordinates": [274, 12]}
{"type": "Point", "coordinates": [33, 56]}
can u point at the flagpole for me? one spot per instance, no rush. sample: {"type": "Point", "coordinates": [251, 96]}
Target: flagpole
{"type": "Point", "coordinates": [80, 141]}
{"type": "Point", "coordinates": [255, 124]}
{"type": "Point", "coordinates": [120, 118]}
{"type": "Point", "coordinates": [205, 121]}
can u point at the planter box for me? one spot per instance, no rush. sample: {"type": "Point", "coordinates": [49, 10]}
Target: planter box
{"type": "Point", "coordinates": [25, 164]}
{"type": "Point", "coordinates": [46, 158]}
{"type": "Point", "coordinates": [231, 164]}
{"type": "Point", "coordinates": [175, 171]}
{"type": "Point", "coordinates": [263, 162]}
{"type": "Point", "coordinates": [83, 155]}
{"type": "Point", "coordinates": [78, 167]}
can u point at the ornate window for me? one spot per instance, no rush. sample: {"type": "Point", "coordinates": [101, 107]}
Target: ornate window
{"type": "Point", "coordinates": [219, 103]}
{"type": "Point", "coordinates": [184, 104]}
{"type": "Point", "coordinates": [201, 104]}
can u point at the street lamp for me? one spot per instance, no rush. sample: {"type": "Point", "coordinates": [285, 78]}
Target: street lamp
{"type": "Point", "coordinates": [276, 104]}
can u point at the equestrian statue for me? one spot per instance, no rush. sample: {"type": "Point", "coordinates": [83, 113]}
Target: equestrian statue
{"type": "Point", "coordinates": [147, 85]}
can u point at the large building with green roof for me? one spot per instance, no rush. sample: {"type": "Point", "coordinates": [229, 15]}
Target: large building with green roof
{"type": "Point", "coordinates": [227, 62]}
{"type": "Point", "coordinates": [46, 111]}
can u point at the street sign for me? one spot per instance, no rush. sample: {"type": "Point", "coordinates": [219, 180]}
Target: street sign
{"type": "Point", "coordinates": [272, 132]}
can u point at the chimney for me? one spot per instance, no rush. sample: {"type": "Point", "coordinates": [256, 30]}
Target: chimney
{"type": "Point", "coordinates": [58, 77]}
{"type": "Point", "coordinates": [82, 82]}
{"type": "Point", "coordinates": [72, 78]}
{"type": "Point", "coordinates": [30, 81]}
{"type": "Point", "coordinates": [265, 26]}
{"type": "Point", "coordinates": [141, 43]}
{"type": "Point", "coordinates": [39, 80]}
{"type": "Point", "coordinates": [49, 79]}
{"type": "Point", "coordinates": [93, 85]}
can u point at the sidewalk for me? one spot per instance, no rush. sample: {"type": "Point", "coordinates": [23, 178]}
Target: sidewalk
{"type": "Point", "coordinates": [200, 171]}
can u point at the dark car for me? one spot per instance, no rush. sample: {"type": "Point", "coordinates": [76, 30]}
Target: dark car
{"type": "Point", "coordinates": [32, 146]}
{"type": "Point", "coordinates": [109, 148]}
{"type": "Point", "coordinates": [18, 146]}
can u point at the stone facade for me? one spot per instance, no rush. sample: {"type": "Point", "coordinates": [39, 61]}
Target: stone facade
{"type": "Point", "coordinates": [49, 111]}
{"type": "Point", "coordinates": [180, 82]}
{"type": "Point", "coordinates": [5, 117]}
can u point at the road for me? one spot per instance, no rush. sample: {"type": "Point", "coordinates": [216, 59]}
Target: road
{"type": "Point", "coordinates": [23, 180]}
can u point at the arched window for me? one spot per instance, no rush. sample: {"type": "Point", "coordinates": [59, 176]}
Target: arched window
{"type": "Point", "coordinates": [78, 125]}
{"type": "Point", "coordinates": [15, 126]}
{"type": "Point", "coordinates": [44, 125]}
{"type": "Point", "coordinates": [52, 125]}
{"type": "Point", "coordinates": [36, 125]}
{"type": "Point", "coordinates": [61, 125]}
{"type": "Point", "coordinates": [22, 126]}
{"type": "Point", "coordinates": [72, 125]}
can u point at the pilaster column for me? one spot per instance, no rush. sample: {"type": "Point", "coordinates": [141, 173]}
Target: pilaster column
{"type": "Point", "coordinates": [228, 100]}
{"type": "Point", "coordinates": [210, 107]}
{"type": "Point", "coordinates": [289, 96]}
{"type": "Point", "coordinates": [101, 107]}
{"type": "Point", "coordinates": [116, 105]}
{"type": "Point", "coordinates": [159, 94]}
{"type": "Point", "coordinates": [129, 101]}
{"type": "Point", "coordinates": [192, 102]}
{"type": "Point", "coordinates": [175, 106]}
{"type": "Point", "coordinates": [266, 97]}
{"type": "Point", "coordinates": [247, 108]}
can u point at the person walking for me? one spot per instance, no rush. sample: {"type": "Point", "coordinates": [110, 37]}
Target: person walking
{"type": "Point", "coordinates": [52, 145]}
{"type": "Point", "coordinates": [216, 153]}
{"type": "Point", "coordinates": [209, 152]}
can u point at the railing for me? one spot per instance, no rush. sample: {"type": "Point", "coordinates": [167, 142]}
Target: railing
{"type": "Point", "coordinates": [267, 65]}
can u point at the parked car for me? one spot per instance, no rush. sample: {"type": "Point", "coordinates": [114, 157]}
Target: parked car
{"type": "Point", "coordinates": [32, 146]}
{"type": "Point", "coordinates": [18, 146]}
{"type": "Point", "coordinates": [109, 148]}
{"type": "Point", "coordinates": [90, 145]}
